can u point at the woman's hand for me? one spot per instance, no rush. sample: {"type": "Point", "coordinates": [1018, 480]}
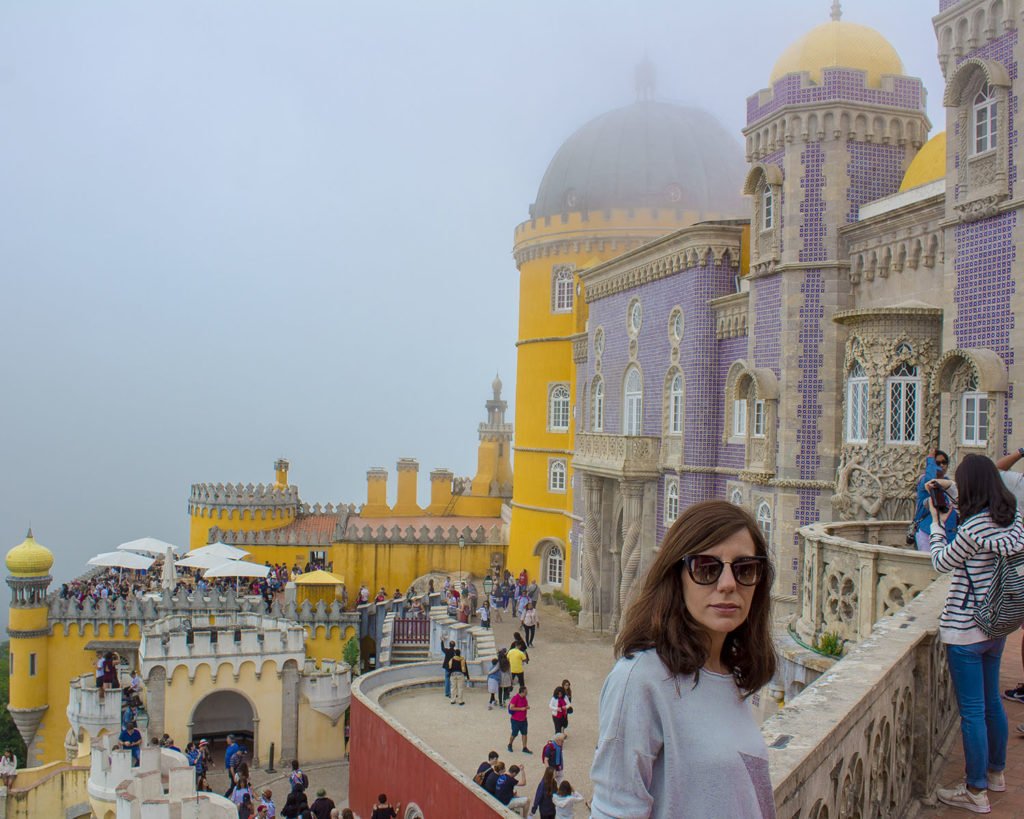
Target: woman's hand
{"type": "Point", "coordinates": [936, 516]}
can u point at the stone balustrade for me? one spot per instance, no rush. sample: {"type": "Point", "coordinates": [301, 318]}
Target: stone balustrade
{"type": "Point", "coordinates": [869, 737]}
{"type": "Point", "coordinates": [618, 456]}
{"type": "Point", "coordinates": [88, 711]}
{"type": "Point", "coordinates": [855, 574]}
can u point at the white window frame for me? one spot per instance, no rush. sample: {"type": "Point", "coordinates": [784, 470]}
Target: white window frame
{"type": "Point", "coordinates": [556, 475]}
{"type": "Point", "coordinates": [760, 420]}
{"type": "Point", "coordinates": [857, 393]}
{"type": "Point", "coordinates": [671, 500]}
{"type": "Point", "coordinates": [633, 403]}
{"type": "Point", "coordinates": [767, 208]}
{"type": "Point", "coordinates": [974, 405]}
{"type": "Point", "coordinates": [739, 418]}
{"type": "Point", "coordinates": [985, 119]}
{"type": "Point", "coordinates": [736, 498]}
{"type": "Point", "coordinates": [554, 565]}
{"type": "Point", "coordinates": [562, 289]}
{"type": "Point", "coordinates": [635, 318]}
{"type": "Point", "coordinates": [675, 405]}
{"type": "Point", "coordinates": [559, 412]}
{"type": "Point", "coordinates": [597, 392]}
{"type": "Point", "coordinates": [764, 520]}
{"type": "Point", "coordinates": [901, 385]}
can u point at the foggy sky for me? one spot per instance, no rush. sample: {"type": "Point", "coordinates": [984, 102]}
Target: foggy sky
{"type": "Point", "coordinates": [235, 231]}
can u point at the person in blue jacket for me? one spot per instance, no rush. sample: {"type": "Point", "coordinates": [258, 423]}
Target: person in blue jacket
{"type": "Point", "coordinates": [935, 468]}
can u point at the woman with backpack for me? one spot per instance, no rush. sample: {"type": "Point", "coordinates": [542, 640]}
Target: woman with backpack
{"type": "Point", "coordinates": [973, 625]}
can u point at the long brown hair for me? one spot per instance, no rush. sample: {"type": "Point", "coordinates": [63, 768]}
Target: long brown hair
{"type": "Point", "coordinates": [979, 489]}
{"type": "Point", "coordinates": [658, 617]}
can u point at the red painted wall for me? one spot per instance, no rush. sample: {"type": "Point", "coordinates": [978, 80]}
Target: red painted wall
{"type": "Point", "coordinates": [381, 760]}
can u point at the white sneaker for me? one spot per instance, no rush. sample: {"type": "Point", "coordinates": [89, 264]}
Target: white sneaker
{"type": "Point", "coordinates": [996, 781]}
{"type": "Point", "coordinates": [960, 797]}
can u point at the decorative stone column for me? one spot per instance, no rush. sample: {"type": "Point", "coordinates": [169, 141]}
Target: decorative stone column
{"type": "Point", "coordinates": [632, 510]}
{"type": "Point", "coordinates": [591, 547]}
{"type": "Point", "coordinates": [156, 697]}
{"type": "Point", "coordinates": [289, 711]}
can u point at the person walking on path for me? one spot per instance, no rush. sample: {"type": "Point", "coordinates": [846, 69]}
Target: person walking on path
{"type": "Point", "coordinates": [446, 665]}
{"type": "Point", "coordinates": [494, 684]}
{"type": "Point", "coordinates": [559, 706]}
{"type": "Point", "coordinates": [991, 528]}
{"type": "Point", "coordinates": [459, 677]}
{"type": "Point", "coordinates": [530, 621]}
{"type": "Point", "coordinates": [484, 613]}
{"type": "Point", "coordinates": [517, 709]}
{"type": "Point", "coordinates": [267, 800]}
{"type": "Point", "coordinates": [516, 660]}
{"type": "Point", "coordinates": [505, 684]}
{"type": "Point", "coordinates": [552, 755]}
{"type": "Point", "coordinates": [566, 800]}
{"type": "Point", "coordinates": [567, 688]}
{"type": "Point", "coordinates": [322, 805]}
{"type": "Point", "coordinates": [543, 802]}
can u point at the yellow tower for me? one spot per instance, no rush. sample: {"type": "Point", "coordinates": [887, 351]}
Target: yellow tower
{"type": "Point", "coordinates": [622, 180]}
{"type": "Point", "coordinates": [238, 508]}
{"type": "Point", "coordinates": [28, 566]}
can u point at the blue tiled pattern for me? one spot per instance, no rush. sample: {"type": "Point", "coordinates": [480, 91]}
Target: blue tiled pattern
{"type": "Point", "coordinates": [767, 322]}
{"type": "Point", "coordinates": [813, 230]}
{"type": "Point", "coordinates": [812, 314]}
{"type": "Point", "coordinates": [874, 171]}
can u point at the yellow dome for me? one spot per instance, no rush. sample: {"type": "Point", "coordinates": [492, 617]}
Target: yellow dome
{"type": "Point", "coordinates": [929, 165]}
{"type": "Point", "coordinates": [29, 558]}
{"type": "Point", "coordinates": [839, 45]}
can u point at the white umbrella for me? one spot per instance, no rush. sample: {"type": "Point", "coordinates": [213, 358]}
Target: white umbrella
{"type": "Point", "coordinates": [237, 568]}
{"type": "Point", "coordinates": [222, 549]}
{"type": "Point", "coordinates": [148, 546]}
{"type": "Point", "coordinates": [121, 560]}
{"type": "Point", "coordinates": [203, 561]}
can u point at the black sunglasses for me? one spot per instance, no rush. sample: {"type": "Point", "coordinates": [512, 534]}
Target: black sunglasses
{"type": "Point", "coordinates": [706, 569]}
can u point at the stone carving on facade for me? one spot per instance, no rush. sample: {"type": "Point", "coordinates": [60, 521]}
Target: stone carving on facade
{"type": "Point", "coordinates": [591, 541]}
{"type": "Point", "coordinates": [847, 500]}
{"type": "Point", "coordinates": [731, 315]}
{"type": "Point", "coordinates": [967, 26]}
{"type": "Point", "coordinates": [632, 502]}
{"type": "Point", "coordinates": [975, 370]}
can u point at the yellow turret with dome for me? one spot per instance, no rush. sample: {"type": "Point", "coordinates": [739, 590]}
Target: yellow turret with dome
{"type": "Point", "coordinates": [838, 44]}
{"type": "Point", "coordinates": [29, 558]}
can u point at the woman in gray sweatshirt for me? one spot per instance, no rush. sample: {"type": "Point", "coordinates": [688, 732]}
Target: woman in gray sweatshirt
{"type": "Point", "coordinates": [677, 735]}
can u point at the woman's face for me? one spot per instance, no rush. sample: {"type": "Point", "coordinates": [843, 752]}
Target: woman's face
{"type": "Point", "coordinates": [722, 606]}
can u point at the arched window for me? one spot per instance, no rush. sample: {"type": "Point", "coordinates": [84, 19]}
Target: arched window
{"type": "Point", "coordinates": [597, 419]}
{"type": "Point", "coordinates": [554, 569]}
{"type": "Point", "coordinates": [556, 476]}
{"type": "Point", "coordinates": [975, 414]}
{"type": "Point", "coordinates": [904, 405]}
{"type": "Point", "coordinates": [561, 289]}
{"type": "Point", "coordinates": [736, 498]}
{"type": "Point", "coordinates": [767, 208]}
{"type": "Point", "coordinates": [985, 120]}
{"type": "Point", "coordinates": [671, 500]}
{"type": "Point", "coordinates": [675, 405]}
{"type": "Point", "coordinates": [857, 404]}
{"type": "Point", "coordinates": [633, 403]}
{"type": "Point", "coordinates": [764, 520]}
{"type": "Point", "coordinates": [558, 408]}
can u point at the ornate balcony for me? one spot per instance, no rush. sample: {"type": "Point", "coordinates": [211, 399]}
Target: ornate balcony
{"type": "Point", "coordinates": [618, 456]}
{"type": "Point", "coordinates": [854, 574]}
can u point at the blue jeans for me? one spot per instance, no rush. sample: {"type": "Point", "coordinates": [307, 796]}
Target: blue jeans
{"type": "Point", "coordinates": [975, 672]}
{"type": "Point", "coordinates": [447, 684]}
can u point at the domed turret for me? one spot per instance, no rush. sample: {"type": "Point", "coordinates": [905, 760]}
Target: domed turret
{"type": "Point", "coordinates": [838, 44]}
{"type": "Point", "coordinates": [648, 154]}
{"type": "Point", "coordinates": [929, 165]}
{"type": "Point", "coordinates": [29, 558]}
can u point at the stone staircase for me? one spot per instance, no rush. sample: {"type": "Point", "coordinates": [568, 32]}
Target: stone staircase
{"type": "Point", "coordinates": [403, 654]}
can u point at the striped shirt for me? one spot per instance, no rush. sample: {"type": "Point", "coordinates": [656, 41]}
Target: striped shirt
{"type": "Point", "coordinates": [971, 557]}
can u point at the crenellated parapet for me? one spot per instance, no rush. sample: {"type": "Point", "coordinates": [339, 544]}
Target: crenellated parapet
{"type": "Point", "coordinates": [966, 26]}
{"type": "Point", "coordinates": [424, 534]}
{"type": "Point", "coordinates": [206, 499]}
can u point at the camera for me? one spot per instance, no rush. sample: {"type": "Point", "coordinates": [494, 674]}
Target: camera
{"type": "Point", "coordinates": [938, 497]}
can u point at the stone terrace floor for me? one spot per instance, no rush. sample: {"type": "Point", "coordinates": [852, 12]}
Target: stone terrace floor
{"type": "Point", "coordinates": [465, 735]}
{"type": "Point", "coordinates": [1011, 803]}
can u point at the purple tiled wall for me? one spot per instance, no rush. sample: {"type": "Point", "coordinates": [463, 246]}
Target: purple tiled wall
{"type": "Point", "coordinates": [814, 228]}
{"type": "Point", "coordinates": [729, 350]}
{"type": "Point", "coordinates": [767, 322]}
{"type": "Point", "coordinates": [811, 359]}
{"type": "Point", "coordinates": [947, 4]}
{"type": "Point", "coordinates": [874, 171]}
{"type": "Point", "coordinates": [838, 84]}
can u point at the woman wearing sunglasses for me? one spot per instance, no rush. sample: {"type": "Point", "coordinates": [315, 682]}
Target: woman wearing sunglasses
{"type": "Point", "coordinates": [677, 735]}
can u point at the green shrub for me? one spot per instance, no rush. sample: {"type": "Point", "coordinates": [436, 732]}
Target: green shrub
{"type": "Point", "coordinates": [830, 644]}
{"type": "Point", "coordinates": [350, 654]}
{"type": "Point", "coordinates": [570, 604]}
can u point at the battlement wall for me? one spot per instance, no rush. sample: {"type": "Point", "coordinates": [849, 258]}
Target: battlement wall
{"type": "Point", "coordinates": [204, 496]}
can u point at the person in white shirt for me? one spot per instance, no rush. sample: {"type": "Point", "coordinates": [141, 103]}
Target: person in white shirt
{"type": "Point", "coordinates": [566, 800]}
{"type": "Point", "coordinates": [8, 768]}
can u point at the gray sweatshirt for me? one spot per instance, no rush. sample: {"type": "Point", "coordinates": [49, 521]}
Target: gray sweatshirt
{"type": "Point", "coordinates": [669, 750]}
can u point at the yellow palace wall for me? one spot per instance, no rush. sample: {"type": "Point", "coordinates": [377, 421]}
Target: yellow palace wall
{"type": "Point", "coordinates": [236, 520]}
{"type": "Point", "coordinates": [58, 789]}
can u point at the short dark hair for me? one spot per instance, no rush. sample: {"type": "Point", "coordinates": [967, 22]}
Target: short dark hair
{"type": "Point", "coordinates": [492, 755]}
{"type": "Point", "coordinates": [658, 617]}
{"type": "Point", "coordinates": [979, 488]}
{"type": "Point", "coordinates": [382, 798]}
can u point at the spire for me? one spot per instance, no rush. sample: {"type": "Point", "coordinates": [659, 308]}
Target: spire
{"type": "Point", "coordinates": [837, 11]}
{"type": "Point", "coordinates": [29, 535]}
{"type": "Point", "coordinates": [496, 387]}
{"type": "Point", "coordinates": [644, 77]}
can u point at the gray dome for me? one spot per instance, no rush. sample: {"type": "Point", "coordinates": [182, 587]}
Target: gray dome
{"type": "Point", "coordinates": [648, 154]}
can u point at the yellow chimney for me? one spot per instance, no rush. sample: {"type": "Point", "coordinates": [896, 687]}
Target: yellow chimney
{"type": "Point", "coordinates": [408, 471]}
{"type": "Point", "coordinates": [440, 491]}
{"type": "Point", "coordinates": [281, 472]}
{"type": "Point", "coordinates": [376, 493]}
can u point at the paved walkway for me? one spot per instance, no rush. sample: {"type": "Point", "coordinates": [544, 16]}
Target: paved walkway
{"type": "Point", "coordinates": [331, 776]}
{"type": "Point", "coordinates": [465, 735]}
{"type": "Point", "coordinates": [1011, 803]}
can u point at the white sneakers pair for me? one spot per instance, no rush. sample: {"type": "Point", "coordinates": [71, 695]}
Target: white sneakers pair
{"type": "Point", "coordinates": [961, 797]}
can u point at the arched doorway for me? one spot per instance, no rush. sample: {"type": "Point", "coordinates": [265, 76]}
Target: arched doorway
{"type": "Point", "coordinates": [220, 713]}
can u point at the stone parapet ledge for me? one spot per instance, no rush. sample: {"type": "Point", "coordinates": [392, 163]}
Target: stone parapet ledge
{"type": "Point", "coordinates": [90, 712]}
{"type": "Point", "coordinates": [869, 736]}
{"type": "Point", "coordinates": [852, 579]}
